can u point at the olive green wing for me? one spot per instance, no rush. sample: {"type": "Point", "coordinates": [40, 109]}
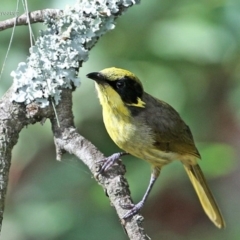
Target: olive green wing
{"type": "Point", "coordinates": [170, 131]}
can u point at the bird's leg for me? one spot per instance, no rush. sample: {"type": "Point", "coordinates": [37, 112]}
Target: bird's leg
{"type": "Point", "coordinates": [109, 161]}
{"type": "Point", "coordinates": [135, 208]}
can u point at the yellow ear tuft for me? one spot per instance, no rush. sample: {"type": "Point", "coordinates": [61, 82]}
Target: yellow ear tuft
{"type": "Point", "coordinates": [140, 103]}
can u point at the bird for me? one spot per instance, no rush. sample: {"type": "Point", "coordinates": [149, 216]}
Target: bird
{"type": "Point", "coordinates": [150, 129]}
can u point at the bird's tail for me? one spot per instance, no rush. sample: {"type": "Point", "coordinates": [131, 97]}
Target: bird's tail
{"type": "Point", "coordinates": [204, 194]}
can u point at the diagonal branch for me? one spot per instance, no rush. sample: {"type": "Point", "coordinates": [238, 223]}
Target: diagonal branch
{"type": "Point", "coordinates": [113, 182]}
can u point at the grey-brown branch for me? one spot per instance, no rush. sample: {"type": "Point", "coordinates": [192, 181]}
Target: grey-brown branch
{"type": "Point", "coordinates": [34, 17]}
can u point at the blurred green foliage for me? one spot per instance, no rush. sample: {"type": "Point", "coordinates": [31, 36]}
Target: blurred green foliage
{"type": "Point", "coordinates": [187, 54]}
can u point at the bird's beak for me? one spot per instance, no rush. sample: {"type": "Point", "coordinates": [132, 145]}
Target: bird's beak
{"type": "Point", "coordinates": [96, 76]}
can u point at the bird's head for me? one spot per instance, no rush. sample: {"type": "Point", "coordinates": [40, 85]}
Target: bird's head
{"type": "Point", "coordinates": [117, 86]}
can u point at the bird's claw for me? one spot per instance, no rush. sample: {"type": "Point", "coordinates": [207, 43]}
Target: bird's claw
{"type": "Point", "coordinates": [109, 161]}
{"type": "Point", "coordinates": [133, 209]}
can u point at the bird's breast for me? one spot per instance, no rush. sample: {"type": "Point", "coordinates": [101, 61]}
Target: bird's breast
{"type": "Point", "coordinates": [119, 127]}
{"type": "Point", "coordinates": [134, 137]}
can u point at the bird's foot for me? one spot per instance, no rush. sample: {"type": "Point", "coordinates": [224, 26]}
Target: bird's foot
{"type": "Point", "coordinates": [134, 208]}
{"type": "Point", "coordinates": [109, 161]}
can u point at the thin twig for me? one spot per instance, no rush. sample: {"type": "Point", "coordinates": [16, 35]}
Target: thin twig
{"type": "Point", "coordinates": [34, 17]}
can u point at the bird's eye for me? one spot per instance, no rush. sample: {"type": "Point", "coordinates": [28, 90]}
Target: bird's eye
{"type": "Point", "coordinates": [120, 84]}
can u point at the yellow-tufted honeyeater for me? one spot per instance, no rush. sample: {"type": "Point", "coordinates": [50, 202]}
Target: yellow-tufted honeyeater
{"type": "Point", "coordinates": [150, 129]}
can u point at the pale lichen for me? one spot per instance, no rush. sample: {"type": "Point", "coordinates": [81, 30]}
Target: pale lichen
{"type": "Point", "coordinates": [60, 50]}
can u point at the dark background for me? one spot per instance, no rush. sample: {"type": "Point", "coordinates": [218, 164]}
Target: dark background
{"type": "Point", "coordinates": [185, 53]}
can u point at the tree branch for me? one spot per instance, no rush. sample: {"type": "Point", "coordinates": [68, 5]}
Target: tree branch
{"type": "Point", "coordinates": [34, 17]}
{"type": "Point", "coordinates": [113, 182]}
{"type": "Point", "coordinates": [13, 117]}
